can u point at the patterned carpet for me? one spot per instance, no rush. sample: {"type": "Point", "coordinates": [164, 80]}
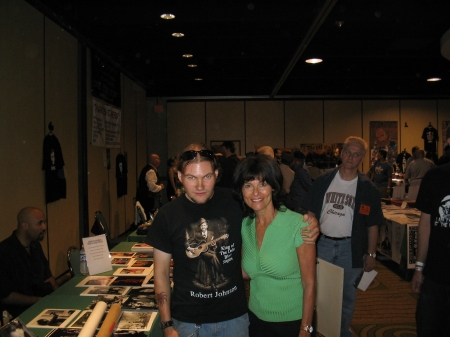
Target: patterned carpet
{"type": "Point", "coordinates": [387, 307]}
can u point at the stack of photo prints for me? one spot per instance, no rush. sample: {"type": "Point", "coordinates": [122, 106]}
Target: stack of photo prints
{"type": "Point", "coordinates": [131, 286]}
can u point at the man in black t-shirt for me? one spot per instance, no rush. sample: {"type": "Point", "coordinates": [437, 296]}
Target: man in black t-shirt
{"type": "Point", "coordinates": [204, 299]}
{"type": "Point", "coordinates": [432, 272]}
{"type": "Point", "coordinates": [26, 275]}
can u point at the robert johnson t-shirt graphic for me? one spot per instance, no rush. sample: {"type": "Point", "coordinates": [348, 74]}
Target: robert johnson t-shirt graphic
{"type": "Point", "coordinates": [208, 245]}
{"type": "Point", "coordinates": [443, 220]}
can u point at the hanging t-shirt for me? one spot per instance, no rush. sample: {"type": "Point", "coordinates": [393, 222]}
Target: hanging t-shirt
{"type": "Point", "coordinates": [53, 164]}
{"type": "Point", "coordinates": [401, 161]}
{"type": "Point", "coordinates": [121, 175]}
{"type": "Point", "coordinates": [430, 137]}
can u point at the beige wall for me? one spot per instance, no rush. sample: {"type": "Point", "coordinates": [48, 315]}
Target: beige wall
{"type": "Point", "coordinates": [293, 122]}
{"type": "Point", "coordinates": [39, 84]}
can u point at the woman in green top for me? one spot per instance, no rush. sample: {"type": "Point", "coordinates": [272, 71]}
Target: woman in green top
{"type": "Point", "coordinates": [281, 268]}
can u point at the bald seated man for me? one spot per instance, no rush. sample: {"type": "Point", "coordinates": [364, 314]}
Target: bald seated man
{"type": "Point", "coordinates": [25, 277]}
{"type": "Point", "coordinates": [267, 150]}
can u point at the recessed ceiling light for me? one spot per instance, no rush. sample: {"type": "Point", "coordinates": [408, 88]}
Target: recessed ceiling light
{"type": "Point", "coordinates": [433, 79]}
{"type": "Point", "coordinates": [192, 65]}
{"type": "Point", "coordinates": [187, 55]}
{"type": "Point", "coordinates": [167, 16]}
{"type": "Point", "coordinates": [177, 34]}
{"type": "Point", "coordinates": [198, 79]}
{"type": "Point", "coordinates": [313, 61]}
{"type": "Point", "coordinates": [339, 23]}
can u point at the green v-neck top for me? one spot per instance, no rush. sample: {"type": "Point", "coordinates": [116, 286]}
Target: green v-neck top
{"type": "Point", "coordinates": [276, 291]}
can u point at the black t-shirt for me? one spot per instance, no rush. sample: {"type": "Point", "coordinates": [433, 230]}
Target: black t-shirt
{"type": "Point", "coordinates": [208, 285]}
{"type": "Point", "coordinates": [434, 199]}
{"type": "Point", "coordinates": [430, 136]}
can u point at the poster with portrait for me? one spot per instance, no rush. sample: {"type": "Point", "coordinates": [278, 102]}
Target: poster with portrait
{"type": "Point", "coordinates": [383, 136]}
{"type": "Point", "coordinates": [445, 133]}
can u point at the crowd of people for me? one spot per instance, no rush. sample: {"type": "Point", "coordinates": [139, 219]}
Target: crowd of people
{"type": "Point", "coordinates": [262, 220]}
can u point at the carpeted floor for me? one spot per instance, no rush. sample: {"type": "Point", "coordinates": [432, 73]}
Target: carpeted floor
{"type": "Point", "coordinates": [387, 307]}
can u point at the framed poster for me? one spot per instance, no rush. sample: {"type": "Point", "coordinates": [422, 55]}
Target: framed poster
{"type": "Point", "coordinates": [383, 136]}
{"type": "Point", "coordinates": [445, 133]}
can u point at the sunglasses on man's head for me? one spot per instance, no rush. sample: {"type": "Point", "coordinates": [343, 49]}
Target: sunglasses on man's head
{"type": "Point", "coordinates": [192, 154]}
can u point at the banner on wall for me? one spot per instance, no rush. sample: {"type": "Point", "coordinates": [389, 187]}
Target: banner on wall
{"type": "Point", "coordinates": [106, 125]}
{"type": "Point", "coordinates": [445, 133]}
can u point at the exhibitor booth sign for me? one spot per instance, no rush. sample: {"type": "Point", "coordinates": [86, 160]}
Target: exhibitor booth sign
{"type": "Point", "coordinates": [106, 125]}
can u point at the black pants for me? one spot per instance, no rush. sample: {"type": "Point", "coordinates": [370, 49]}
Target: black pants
{"type": "Point", "coordinates": [260, 328]}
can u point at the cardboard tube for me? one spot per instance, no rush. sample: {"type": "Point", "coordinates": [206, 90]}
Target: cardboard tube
{"type": "Point", "coordinates": [110, 321]}
{"type": "Point", "coordinates": [93, 321]}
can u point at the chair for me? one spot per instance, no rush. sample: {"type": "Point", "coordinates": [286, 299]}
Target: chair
{"type": "Point", "coordinates": [100, 226]}
{"type": "Point", "coordinates": [73, 260]}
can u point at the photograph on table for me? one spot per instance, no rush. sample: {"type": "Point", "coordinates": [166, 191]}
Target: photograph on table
{"type": "Point", "coordinates": [141, 263]}
{"type": "Point", "coordinates": [133, 271]}
{"type": "Point", "coordinates": [122, 254]}
{"type": "Point", "coordinates": [136, 320]}
{"type": "Point", "coordinates": [141, 298]}
{"type": "Point", "coordinates": [96, 281]}
{"type": "Point", "coordinates": [143, 255]}
{"type": "Point", "coordinates": [122, 261]}
{"type": "Point", "coordinates": [132, 281]}
{"type": "Point", "coordinates": [52, 318]}
{"type": "Point", "coordinates": [66, 332]}
{"type": "Point", "coordinates": [15, 328]}
{"type": "Point", "coordinates": [108, 299]}
{"type": "Point", "coordinates": [80, 321]}
{"type": "Point", "coordinates": [98, 290]}
{"type": "Point", "coordinates": [141, 247]}
{"type": "Point", "coordinates": [129, 333]}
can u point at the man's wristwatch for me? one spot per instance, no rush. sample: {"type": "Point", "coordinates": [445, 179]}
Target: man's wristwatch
{"type": "Point", "coordinates": [164, 325]}
{"type": "Point", "coordinates": [374, 255]}
{"type": "Point", "coordinates": [307, 328]}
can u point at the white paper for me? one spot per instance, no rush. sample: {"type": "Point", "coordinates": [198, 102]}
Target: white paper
{"type": "Point", "coordinates": [367, 279]}
{"type": "Point", "coordinates": [97, 254]}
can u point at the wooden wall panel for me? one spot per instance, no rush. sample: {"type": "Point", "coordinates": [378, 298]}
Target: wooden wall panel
{"type": "Point", "coordinates": [22, 126]}
{"type": "Point", "coordinates": [61, 109]}
{"type": "Point", "coordinates": [225, 121]}
{"type": "Point", "coordinates": [303, 122]}
{"type": "Point", "coordinates": [185, 124]}
{"type": "Point", "coordinates": [264, 123]}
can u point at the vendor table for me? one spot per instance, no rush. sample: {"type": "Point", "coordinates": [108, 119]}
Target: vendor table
{"type": "Point", "coordinates": [135, 237]}
{"type": "Point", "coordinates": [398, 235]}
{"type": "Point", "coordinates": [68, 297]}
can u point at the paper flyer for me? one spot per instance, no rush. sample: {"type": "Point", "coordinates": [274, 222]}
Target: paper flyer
{"type": "Point", "coordinates": [97, 254]}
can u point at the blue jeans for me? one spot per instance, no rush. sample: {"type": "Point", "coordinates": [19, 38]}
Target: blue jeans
{"type": "Point", "coordinates": [237, 327]}
{"type": "Point", "coordinates": [433, 309]}
{"type": "Point", "coordinates": [339, 253]}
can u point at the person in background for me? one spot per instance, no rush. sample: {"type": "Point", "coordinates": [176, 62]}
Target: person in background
{"type": "Point", "coordinates": [277, 154]}
{"type": "Point", "coordinates": [349, 208]}
{"type": "Point", "coordinates": [445, 158]}
{"type": "Point", "coordinates": [26, 275]}
{"type": "Point", "coordinates": [301, 184]}
{"type": "Point", "coordinates": [150, 186]}
{"type": "Point", "coordinates": [267, 150]}
{"type": "Point", "coordinates": [413, 156]}
{"type": "Point", "coordinates": [288, 174]}
{"type": "Point", "coordinates": [229, 164]}
{"type": "Point", "coordinates": [193, 307]}
{"type": "Point", "coordinates": [381, 174]}
{"type": "Point", "coordinates": [416, 170]}
{"type": "Point", "coordinates": [282, 279]}
{"type": "Point", "coordinates": [221, 159]}
{"type": "Point", "coordinates": [431, 277]}
{"type": "Point", "coordinates": [172, 188]}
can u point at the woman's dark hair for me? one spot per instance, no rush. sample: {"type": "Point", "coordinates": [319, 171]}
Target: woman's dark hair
{"type": "Point", "coordinates": [263, 168]}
